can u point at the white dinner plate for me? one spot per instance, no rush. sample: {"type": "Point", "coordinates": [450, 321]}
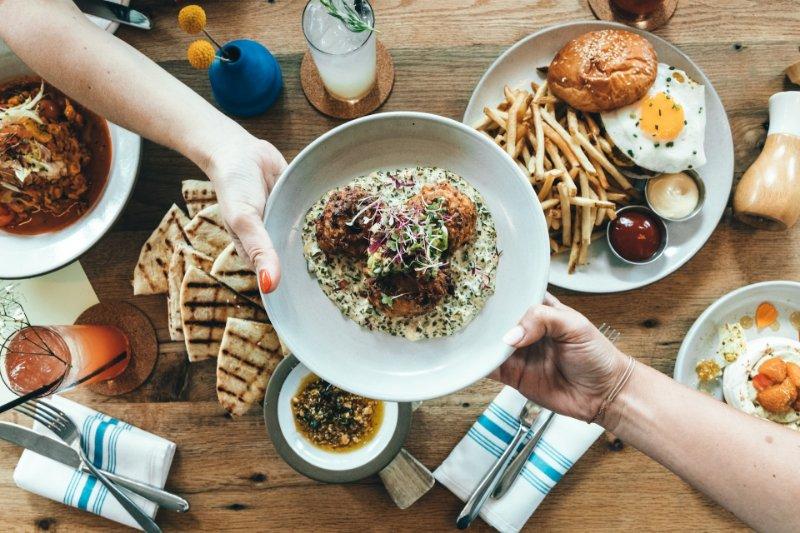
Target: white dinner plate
{"type": "Point", "coordinates": [25, 256]}
{"type": "Point", "coordinates": [703, 338]}
{"type": "Point", "coordinates": [373, 363]}
{"type": "Point", "coordinates": [516, 67]}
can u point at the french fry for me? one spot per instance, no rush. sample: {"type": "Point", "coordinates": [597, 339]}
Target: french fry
{"type": "Point", "coordinates": [547, 185]}
{"type": "Point", "coordinates": [574, 252]}
{"type": "Point", "coordinates": [538, 126]}
{"type": "Point", "coordinates": [483, 123]}
{"type": "Point", "coordinates": [566, 230]}
{"type": "Point", "coordinates": [587, 220]}
{"type": "Point", "coordinates": [562, 145]}
{"type": "Point", "coordinates": [550, 203]}
{"type": "Point", "coordinates": [588, 201]}
{"type": "Point", "coordinates": [574, 146]}
{"type": "Point", "coordinates": [604, 162]}
{"type": "Point", "coordinates": [511, 125]}
{"type": "Point", "coordinates": [498, 117]}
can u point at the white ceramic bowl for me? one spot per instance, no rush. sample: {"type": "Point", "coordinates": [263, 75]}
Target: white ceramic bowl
{"type": "Point", "coordinates": [702, 340]}
{"type": "Point", "coordinates": [375, 364]}
{"type": "Point", "coordinates": [26, 256]}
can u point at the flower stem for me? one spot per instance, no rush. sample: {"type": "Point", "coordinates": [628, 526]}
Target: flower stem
{"type": "Point", "coordinates": [222, 57]}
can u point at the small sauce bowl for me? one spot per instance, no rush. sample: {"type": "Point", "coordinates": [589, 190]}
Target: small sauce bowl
{"type": "Point", "coordinates": [657, 221]}
{"type": "Point", "coordinates": [320, 463]}
{"type": "Point", "coordinates": [701, 197]}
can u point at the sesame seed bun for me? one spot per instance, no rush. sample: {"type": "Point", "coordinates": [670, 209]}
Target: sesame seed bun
{"type": "Point", "coordinates": [603, 70]}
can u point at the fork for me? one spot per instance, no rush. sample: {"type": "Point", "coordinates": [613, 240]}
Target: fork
{"type": "Point", "coordinates": [59, 423]}
{"type": "Point", "coordinates": [609, 333]}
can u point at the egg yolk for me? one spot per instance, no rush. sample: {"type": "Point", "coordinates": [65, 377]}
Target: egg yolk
{"type": "Point", "coordinates": [661, 117]}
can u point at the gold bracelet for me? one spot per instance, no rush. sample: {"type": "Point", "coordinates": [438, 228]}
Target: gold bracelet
{"type": "Point", "coordinates": [615, 391]}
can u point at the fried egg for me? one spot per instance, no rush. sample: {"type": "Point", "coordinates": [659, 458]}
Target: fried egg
{"type": "Point", "coordinates": [664, 131]}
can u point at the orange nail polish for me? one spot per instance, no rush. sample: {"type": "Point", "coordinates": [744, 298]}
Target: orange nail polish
{"type": "Point", "coordinates": [264, 281]}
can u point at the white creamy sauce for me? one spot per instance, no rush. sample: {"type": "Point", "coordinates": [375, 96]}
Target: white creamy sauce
{"type": "Point", "coordinates": [472, 267]}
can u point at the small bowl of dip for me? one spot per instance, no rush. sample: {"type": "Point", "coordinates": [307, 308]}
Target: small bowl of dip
{"type": "Point", "coordinates": [676, 197]}
{"type": "Point", "coordinates": [329, 434]}
{"type": "Point", "coordinates": [638, 236]}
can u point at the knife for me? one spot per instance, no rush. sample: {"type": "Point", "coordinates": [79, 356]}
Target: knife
{"type": "Point", "coordinates": [115, 13]}
{"type": "Point", "coordinates": [58, 451]}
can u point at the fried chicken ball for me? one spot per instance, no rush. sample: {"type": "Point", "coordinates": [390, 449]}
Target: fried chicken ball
{"type": "Point", "coordinates": [337, 231]}
{"type": "Point", "coordinates": [408, 294]}
{"type": "Point", "coordinates": [460, 212]}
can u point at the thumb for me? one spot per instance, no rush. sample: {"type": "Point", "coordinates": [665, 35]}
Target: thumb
{"type": "Point", "coordinates": [541, 321]}
{"type": "Point", "coordinates": [257, 246]}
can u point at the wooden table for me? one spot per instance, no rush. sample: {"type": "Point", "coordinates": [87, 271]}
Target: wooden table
{"type": "Point", "coordinates": [230, 471]}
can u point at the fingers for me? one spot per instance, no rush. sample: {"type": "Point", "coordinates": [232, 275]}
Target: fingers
{"type": "Point", "coordinates": [540, 321]}
{"type": "Point", "coordinates": [257, 246]}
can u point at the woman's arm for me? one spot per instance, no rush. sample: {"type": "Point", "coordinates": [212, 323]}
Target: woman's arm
{"type": "Point", "coordinates": [748, 465]}
{"type": "Point", "coordinates": [118, 82]}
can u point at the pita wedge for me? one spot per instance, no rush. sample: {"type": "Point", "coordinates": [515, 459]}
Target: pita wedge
{"type": "Point", "coordinates": [207, 232]}
{"type": "Point", "coordinates": [183, 257]}
{"type": "Point", "coordinates": [248, 354]}
{"type": "Point", "coordinates": [150, 274]}
{"type": "Point", "coordinates": [232, 270]}
{"type": "Point", "coordinates": [206, 305]}
{"type": "Point", "coordinates": [198, 194]}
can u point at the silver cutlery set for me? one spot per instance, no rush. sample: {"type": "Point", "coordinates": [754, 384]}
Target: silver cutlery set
{"type": "Point", "coordinates": [533, 421]}
{"type": "Point", "coordinates": [115, 13]}
{"type": "Point", "coordinates": [70, 453]}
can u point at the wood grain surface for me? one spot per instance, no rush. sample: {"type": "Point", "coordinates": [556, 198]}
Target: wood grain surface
{"type": "Point", "coordinates": [229, 470]}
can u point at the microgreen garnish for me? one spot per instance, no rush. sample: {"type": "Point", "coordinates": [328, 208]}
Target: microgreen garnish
{"type": "Point", "coordinates": [402, 238]}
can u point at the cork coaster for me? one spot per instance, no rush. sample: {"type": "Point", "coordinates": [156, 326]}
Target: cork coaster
{"type": "Point", "coordinates": [328, 105]}
{"type": "Point", "coordinates": [142, 336]}
{"type": "Point", "coordinates": [604, 11]}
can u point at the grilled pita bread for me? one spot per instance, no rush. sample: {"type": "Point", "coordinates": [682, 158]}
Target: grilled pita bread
{"type": "Point", "coordinates": [207, 232]}
{"type": "Point", "coordinates": [198, 194]}
{"type": "Point", "coordinates": [232, 270]}
{"type": "Point", "coordinates": [183, 257]}
{"type": "Point", "coordinates": [205, 306]}
{"type": "Point", "coordinates": [248, 354]}
{"type": "Point", "coordinates": [150, 274]}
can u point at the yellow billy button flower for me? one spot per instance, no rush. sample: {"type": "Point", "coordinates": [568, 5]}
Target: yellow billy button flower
{"type": "Point", "coordinates": [192, 19]}
{"type": "Point", "coordinates": [201, 54]}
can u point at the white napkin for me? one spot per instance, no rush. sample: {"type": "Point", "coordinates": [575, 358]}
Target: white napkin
{"type": "Point", "coordinates": [111, 445]}
{"type": "Point", "coordinates": [563, 443]}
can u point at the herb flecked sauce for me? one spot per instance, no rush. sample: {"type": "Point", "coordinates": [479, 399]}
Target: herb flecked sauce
{"type": "Point", "coordinates": [472, 267]}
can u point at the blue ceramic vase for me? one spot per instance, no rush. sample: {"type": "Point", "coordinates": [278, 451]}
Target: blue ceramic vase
{"type": "Point", "coordinates": [249, 83]}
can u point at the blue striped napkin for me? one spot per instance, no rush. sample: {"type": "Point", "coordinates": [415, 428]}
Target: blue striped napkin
{"type": "Point", "coordinates": [563, 443]}
{"type": "Point", "coordinates": [111, 445]}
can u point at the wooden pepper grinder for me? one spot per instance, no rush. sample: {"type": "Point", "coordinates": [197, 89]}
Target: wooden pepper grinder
{"type": "Point", "coordinates": [768, 195]}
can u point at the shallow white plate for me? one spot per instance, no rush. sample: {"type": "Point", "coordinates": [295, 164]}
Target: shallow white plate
{"type": "Point", "coordinates": [25, 256]}
{"type": "Point", "coordinates": [516, 67]}
{"type": "Point", "coordinates": [703, 338]}
{"type": "Point", "coordinates": [375, 364]}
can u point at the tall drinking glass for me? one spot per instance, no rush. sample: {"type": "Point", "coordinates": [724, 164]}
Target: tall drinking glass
{"type": "Point", "coordinates": [56, 358]}
{"type": "Point", "coordinates": [345, 59]}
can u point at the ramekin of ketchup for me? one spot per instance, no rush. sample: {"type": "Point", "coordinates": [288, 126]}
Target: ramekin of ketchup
{"type": "Point", "coordinates": [637, 235]}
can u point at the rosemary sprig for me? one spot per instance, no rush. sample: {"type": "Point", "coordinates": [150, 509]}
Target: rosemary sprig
{"type": "Point", "coordinates": [348, 15]}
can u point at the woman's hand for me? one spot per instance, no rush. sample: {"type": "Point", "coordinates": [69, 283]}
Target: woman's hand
{"type": "Point", "coordinates": [244, 171]}
{"type": "Point", "coordinates": [563, 362]}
